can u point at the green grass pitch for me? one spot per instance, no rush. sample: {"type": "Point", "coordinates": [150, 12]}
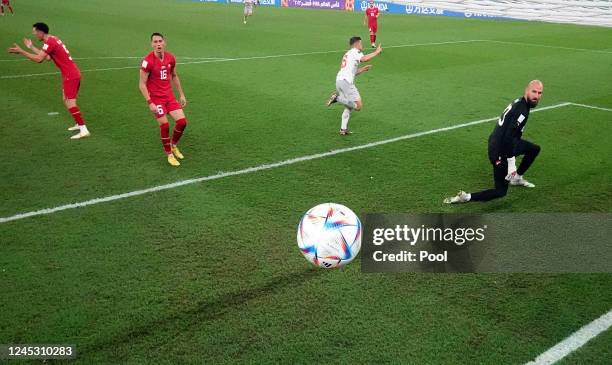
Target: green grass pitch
{"type": "Point", "coordinates": [210, 272]}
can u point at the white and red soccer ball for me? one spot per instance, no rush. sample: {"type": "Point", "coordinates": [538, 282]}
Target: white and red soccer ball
{"type": "Point", "coordinates": [329, 235]}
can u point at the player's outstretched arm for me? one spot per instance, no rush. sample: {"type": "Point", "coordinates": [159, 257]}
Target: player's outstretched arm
{"type": "Point", "coordinates": [369, 56]}
{"type": "Point", "coordinates": [38, 58]}
{"type": "Point", "coordinates": [177, 83]}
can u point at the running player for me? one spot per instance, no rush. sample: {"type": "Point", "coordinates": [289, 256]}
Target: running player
{"type": "Point", "coordinates": [371, 16]}
{"type": "Point", "coordinates": [55, 49]}
{"type": "Point", "coordinates": [157, 75]}
{"type": "Point", "coordinates": [248, 9]}
{"type": "Point", "coordinates": [346, 93]}
{"type": "Point", "coordinates": [6, 3]}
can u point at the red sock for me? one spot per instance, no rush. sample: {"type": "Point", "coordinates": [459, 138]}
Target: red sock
{"type": "Point", "coordinates": [178, 130]}
{"type": "Point", "coordinates": [165, 137]}
{"type": "Point", "coordinates": [76, 115]}
{"type": "Point", "coordinates": [372, 38]}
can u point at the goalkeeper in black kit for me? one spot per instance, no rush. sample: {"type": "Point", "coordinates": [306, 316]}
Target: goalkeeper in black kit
{"type": "Point", "coordinates": [505, 143]}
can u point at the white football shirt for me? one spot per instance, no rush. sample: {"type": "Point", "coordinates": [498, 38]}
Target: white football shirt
{"type": "Point", "coordinates": [349, 66]}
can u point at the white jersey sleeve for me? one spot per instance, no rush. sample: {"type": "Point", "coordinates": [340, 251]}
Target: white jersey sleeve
{"type": "Point", "coordinates": [349, 65]}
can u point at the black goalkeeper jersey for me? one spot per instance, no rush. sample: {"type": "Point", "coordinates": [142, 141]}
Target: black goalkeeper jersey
{"type": "Point", "coordinates": [508, 130]}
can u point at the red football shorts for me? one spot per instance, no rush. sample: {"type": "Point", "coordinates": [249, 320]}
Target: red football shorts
{"type": "Point", "coordinates": [373, 28]}
{"type": "Point", "coordinates": [165, 105]}
{"type": "Point", "coordinates": [70, 87]}
{"type": "Point", "coordinates": [6, 2]}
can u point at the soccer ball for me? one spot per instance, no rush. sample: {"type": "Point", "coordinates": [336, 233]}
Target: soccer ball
{"type": "Point", "coordinates": [329, 235]}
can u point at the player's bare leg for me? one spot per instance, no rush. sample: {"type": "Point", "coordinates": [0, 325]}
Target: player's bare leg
{"type": "Point", "coordinates": [179, 127]}
{"type": "Point", "coordinates": [164, 129]}
{"type": "Point", "coordinates": [2, 10]}
{"type": "Point", "coordinates": [73, 109]}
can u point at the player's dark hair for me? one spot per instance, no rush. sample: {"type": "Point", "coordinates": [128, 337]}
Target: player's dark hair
{"type": "Point", "coordinates": [41, 27]}
{"type": "Point", "coordinates": [157, 34]}
{"type": "Point", "coordinates": [354, 40]}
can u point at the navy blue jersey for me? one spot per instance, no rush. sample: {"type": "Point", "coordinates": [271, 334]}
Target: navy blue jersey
{"type": "Point", "coordinates": [508, 130]}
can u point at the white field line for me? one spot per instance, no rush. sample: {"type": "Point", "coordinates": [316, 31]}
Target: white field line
{"type": "Point", "coordinates": [116, 58]}
{"type": "Point", "coordinates": [57, 73]}
{"type": "Point", "coordinates": [211, 60]}
{"type": "Point", "coordinates": [336, 51]}
{"type": "Point", "coordinates": [107, 69]}
{"type": "Point", "coordinates": [253, 169]}
{"type": "Point", "coordinates": [593, 107]}
{"type": "Point", "coordinates": [550, 46]}
{"type": "Point", "coordinates": [221, 59]}
{"type": "Point", "coordinates": [197, 60]}
{"type": "Point", "coordinates": [575, 341]}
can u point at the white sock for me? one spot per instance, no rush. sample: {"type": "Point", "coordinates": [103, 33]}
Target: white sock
{"type": "Point", "coordinates": [346, 114]}
{"type": "Point", "coordinates": [511, 164]}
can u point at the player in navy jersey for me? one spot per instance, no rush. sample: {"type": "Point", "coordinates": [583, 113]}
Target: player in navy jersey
{"type": "Point", "coordinates": [505, 143]}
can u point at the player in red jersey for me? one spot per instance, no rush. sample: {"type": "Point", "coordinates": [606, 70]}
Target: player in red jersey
{"type": "Point", "coordinates": [54, 49]}
{"type": "Point", "coordinates": [6, 3]}
{"type": "Point", "coordinates": [371, 16]}
{"type": "Point", "coordinates": [157, 74]}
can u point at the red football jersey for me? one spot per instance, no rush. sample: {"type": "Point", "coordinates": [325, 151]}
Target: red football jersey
{"type": "Point", "coordinates": [160, 73]}
{"type": "Point", "coordinates": [372, 13]}
{"type": "Point", "coordinates": [61, 57]}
